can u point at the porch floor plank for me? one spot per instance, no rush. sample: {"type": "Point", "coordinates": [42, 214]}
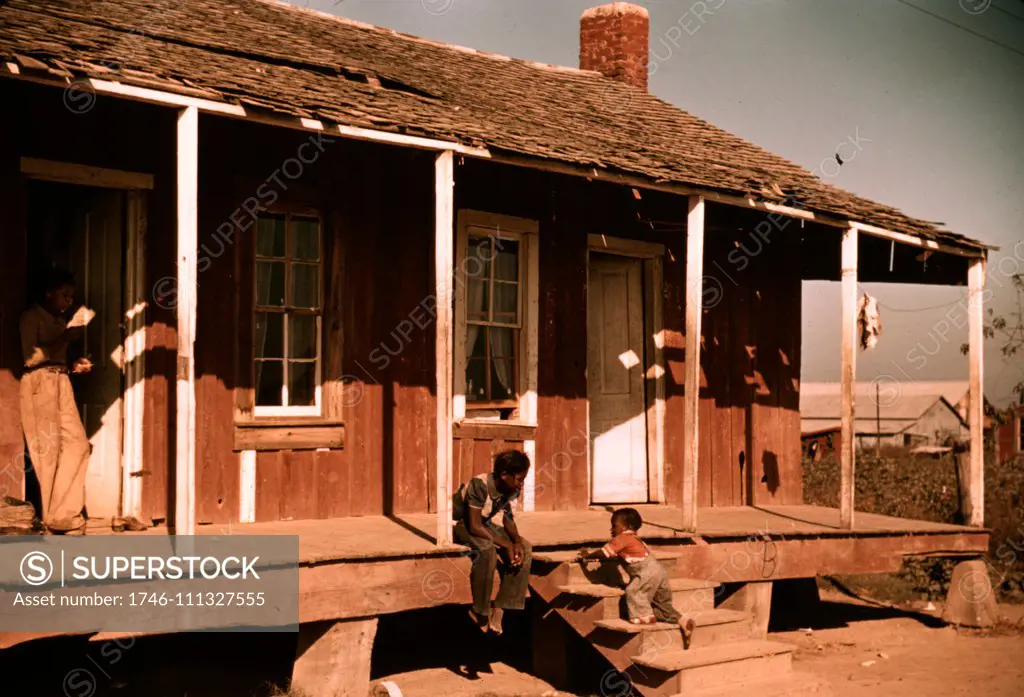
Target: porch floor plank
{"type": "Point", "coordinates": [375, 537]}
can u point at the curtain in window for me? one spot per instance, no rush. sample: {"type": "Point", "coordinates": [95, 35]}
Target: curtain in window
{"type": "Point", "coordinates": [505, 266]}
{"type": "Point", "coordinates": [263, 272]}
{"type": "Point", "coordinates": [474, 307]}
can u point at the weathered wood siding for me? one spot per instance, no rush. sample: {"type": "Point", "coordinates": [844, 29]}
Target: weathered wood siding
{"type": "Point", "coordinates": [377, 208]}
{"type": "Point", "coordinates": [749, 407]}
{"type": "Point", "coordinates": [118, 135]}
{"type": "Point", "coordinates": [377, 204]}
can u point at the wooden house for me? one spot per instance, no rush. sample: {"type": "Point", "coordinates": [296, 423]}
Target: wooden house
{"type": "Point", "coordinates": [1009, 434]}
{"type": "Point", "coordinates": [898, 414]}
{"type": "Point", "coordinates": [337, 268]}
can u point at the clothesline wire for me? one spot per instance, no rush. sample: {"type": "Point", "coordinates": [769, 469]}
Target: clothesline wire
{"type": "Point", "coordinates": [943, 306]}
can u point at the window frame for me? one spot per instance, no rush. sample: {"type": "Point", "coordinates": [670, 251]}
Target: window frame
{"type": "Point", "coordinates": [315, 410]}
{"type": "Point", "coordinates": [525, 233]}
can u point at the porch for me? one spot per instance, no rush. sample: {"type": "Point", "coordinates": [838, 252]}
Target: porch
{"type": "Point", "coordinates": [376, 538]}
{"type": "Point", "coordinates": [359, 567]}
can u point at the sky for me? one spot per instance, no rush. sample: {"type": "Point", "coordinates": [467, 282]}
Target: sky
{"type": "Point", "coordinates": [930, 91]}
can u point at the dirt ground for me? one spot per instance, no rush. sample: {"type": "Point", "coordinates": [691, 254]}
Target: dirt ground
{"type": "Point", "coordinates": [859, 649]}
{"type": "Point", "coordinates": [875, 651]}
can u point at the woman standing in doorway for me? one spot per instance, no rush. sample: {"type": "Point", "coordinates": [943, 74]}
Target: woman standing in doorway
{"type": "Point", "coordinates": [57, 442]}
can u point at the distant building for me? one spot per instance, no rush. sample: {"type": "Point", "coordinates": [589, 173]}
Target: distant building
{"type": "Point", "coordinates": [905, 414]}
{"type": "Point", "coordinates": [1009, 434]}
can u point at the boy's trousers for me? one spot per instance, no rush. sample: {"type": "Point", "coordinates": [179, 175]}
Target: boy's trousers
{"type": "Point", "coordinates": [512, 590]}
{"type": "Point", "coordinates": [648, 592]}
{"type": "Point", "coordinates": [57, 444]}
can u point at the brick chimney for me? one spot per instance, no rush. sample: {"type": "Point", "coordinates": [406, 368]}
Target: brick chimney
{"type": "Point", "coordinates": [614, 41]}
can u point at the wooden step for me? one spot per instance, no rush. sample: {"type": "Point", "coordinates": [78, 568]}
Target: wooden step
{"type": "Point", "coordinates": [713, 627]}
{"type": "Point", "coordinates": [689, 596]}
{"type": "Point", "coordinates": [791, 685]}
{"type": "Point", "coordinates": [568, 556]}
{"type": "Point", "coordinates": [592, 590]}
{"type": "Point", "coordinates": [715, 666]}
{"type": "Point", "coordinates": [693, 595]}
{"type": "Point", "coordinates": [602, 590]}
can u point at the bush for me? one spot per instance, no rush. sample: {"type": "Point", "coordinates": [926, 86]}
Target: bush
{"type": "Point", "coordinates": [923, 488]}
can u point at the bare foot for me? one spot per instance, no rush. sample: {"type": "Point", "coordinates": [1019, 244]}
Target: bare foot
{"type": "Point", "coordinates": [496, 616]}
{"type": "Point", "coordinates": [687, 625]}
{"type": "Point", "coordinates": [479, 620]}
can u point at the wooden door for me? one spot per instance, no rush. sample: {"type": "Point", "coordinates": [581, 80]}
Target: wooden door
{"type": "Point", "coordinates": [615, 380]}
{"type": "Point", "coordinates": [81, 229]}
{"type": "Point", "coordinates": [97, 265]}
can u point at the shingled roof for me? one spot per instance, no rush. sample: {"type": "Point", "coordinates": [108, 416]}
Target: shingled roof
{"type": "Point", "coordinates": [292, 61]}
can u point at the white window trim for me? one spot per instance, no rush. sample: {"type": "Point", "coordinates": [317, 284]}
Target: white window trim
{"type": "Point", "coordinates": [525, 232]}
{"type": "Point", "coordinates": [316, 409]}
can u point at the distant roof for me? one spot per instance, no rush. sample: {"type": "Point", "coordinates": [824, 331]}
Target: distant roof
{"type": "Point", "coordinates": [297, 62]}
{"type": "Point", "coordinates": [898, 404]}
{"type": "Point", "coordinates": [812, 427]}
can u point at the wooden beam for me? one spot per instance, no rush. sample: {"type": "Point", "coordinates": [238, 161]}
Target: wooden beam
{"type": "Point", "coordinates": [691, 398]}
{"type": "Point", "coordinates": [714, 196]}
{"type": "Point", "coordinates": [187, 253]}
{"type": "Point", "coordinates": [136, 293]}
{"type": "Point", "coordinates": [975, 498]}
{"type": "Point", "coordinates": [495, 430]}
{"type": "Point", "coordinates": [152, 96]}
{"type": "Point", "coordinates": [70, 173]}
{"type": "Point", "coordinates": [444, 269]}
{"type": "Point", "coordinates": [247, 486]}
{"type": "Point", "coordinates": [260, 436]}
{"type": "Point", "coordinates": [333, 658]}
{"type": "Point", "coordinates": [236, 110]}
{"type": "Point", "coordinates": [847, 446]}
{"type": "Point", "coordinates": [621, 246]}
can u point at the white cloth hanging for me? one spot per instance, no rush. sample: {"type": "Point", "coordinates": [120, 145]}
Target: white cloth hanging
{"type": "Point", "coordinates": [869, 321]}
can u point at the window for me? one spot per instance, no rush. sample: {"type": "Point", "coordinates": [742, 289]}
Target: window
{"type": "Point", "coordinates": [495, 361]}
{"type": "Point", "coordinates": [288, 306]}
{"type": "Point", "coordinates": [493, 321]}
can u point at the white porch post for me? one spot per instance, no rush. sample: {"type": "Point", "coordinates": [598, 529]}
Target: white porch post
{"type": "Point", "coordinates": [187, 251]}
{"type": "Point", "coordinates": [691, 377]}
{"type": "Point", "coordinates": [848, 445]}
{"type": "Point", "coordinates": [444, 268]}
{"type": "Point", "coordinates": [976, 400]}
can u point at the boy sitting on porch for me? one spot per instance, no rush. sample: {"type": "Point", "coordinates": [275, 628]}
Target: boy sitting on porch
{"type": "Point", "coordinates": [475, 506]}
{"type": "Point", "coordinates": [648, 595]}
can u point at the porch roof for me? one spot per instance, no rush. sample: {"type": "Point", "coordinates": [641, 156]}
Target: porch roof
{"type": "Point", "coordinates": [265, 55]}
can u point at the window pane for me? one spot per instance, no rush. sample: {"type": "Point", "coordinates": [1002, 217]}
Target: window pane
{"type": "Point", "coordinates": [301, 384]}
{"type": "Point", "coordinates": [506, 297]}
{"type": "Point", "coordinates": [476, 380]}
{"type": "Point", "coordinates": [503, 379]}
{"type": "Point", "coordinates": [305, 285]}
{"type": "Point", "coordinates": [305, 239]}
{"type": "Point", "coordinates": [270, 283]}
{"type": "Point", "coordinates": [476, 341]}
{"type": "Point", "coordinates": [268, 383]}
{"type": "Point", "coordinates": [506, 264]}
{"type": "Point", "coordinates": [269, 335]}
{"type": "Point", "coordinates": [502, 341]}
{"type": "Point", "coordinates": [476, 301]}
{"type": "Point", "coordinates": [270, 236]}
{"type": "Point", "coordinates": [478, 261]}
{"type": "Point", "coordinates": [302, 336]}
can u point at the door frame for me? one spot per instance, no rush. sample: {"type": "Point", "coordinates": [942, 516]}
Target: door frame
{"type": "Point", "coordinates": [135, 186]}
{"type": "Point", "coordinates": [652, 254]}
